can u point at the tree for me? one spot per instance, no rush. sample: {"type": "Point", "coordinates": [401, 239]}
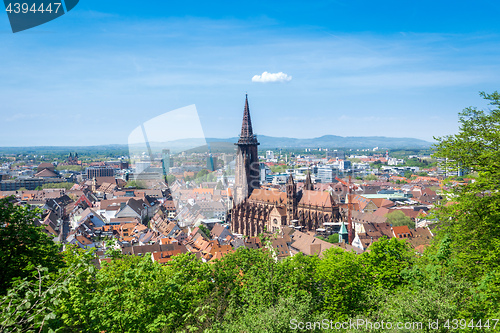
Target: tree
{"type": "Point", "coordinates": [205, 230]}
{"type": "Point", "coordinates": [477, 144]}
{"type": "Point", "coordinates": [386, 261]}
{"type": "Point", "coordinates": [398, 218]}
{"type": "Point", "coordinates": [343, 279]}
{"type": "Point", "coordinates": [376, 165]}
{"type": "Point", "coordinates": [334, 238]}
{"type": "Point", "coordinates": [415, 162]}
{"type": "Point", "coordinates": [371, 177]}
{"type": "Point", "coordinates": [420, 304]}
{"type": "Point", "coordinates": [171, 179]}
{"type": "Point", "coordinates": [278, 318]}
{"type": "Point", "coordinates": [30, 305]}
{"type": "Point", "coordinates": [64, 185]}
{"type": "Point", "coordinates": [202, 173]}
{"type": "Point", "coordinates": [76, 168]}
{"type": "Point", "coordinates": [23, 246]}
{"type": "Point", "coordinates": [134, 294]}
{"type": "Point", "coordinates": [138, 184]}
{"type": "Point", "coordinates": [471, 219]}
{"type": "Point", "coordinates": [279, 168]}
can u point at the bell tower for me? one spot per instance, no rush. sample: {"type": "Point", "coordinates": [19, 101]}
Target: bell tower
{"type": "Point", "coordinates": [291, 199]}
{"type": "Point", "coordinates": [247, 173]}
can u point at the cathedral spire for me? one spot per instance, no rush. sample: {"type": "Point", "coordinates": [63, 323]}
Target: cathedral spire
{"type": "Point", "coordinates": [247, 171]}
{"type": "Point", "coordinates": [308, 184]}
{"type": "Point", "coordinates": [247, 136]}
{"type": "Point", "coordinates": [291, 199]}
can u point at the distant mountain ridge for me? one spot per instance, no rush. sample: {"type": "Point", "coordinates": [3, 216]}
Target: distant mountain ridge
{"type": "Point", "coordinates": [334, 141]}
{"type": "Point", "coordinates": [266, 142]}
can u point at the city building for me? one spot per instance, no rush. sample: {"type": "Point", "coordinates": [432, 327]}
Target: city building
{"type": "Point", "coordinates": [100, 171]}
{"type": "Point", "coordinates": [340, 155]}
{"type": "Point", "coordinates": [345, 165]}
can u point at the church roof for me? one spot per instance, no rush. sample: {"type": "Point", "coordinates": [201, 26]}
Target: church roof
{"type": "Point", "coordinates": [343, 229]}
{"type": "Point", "coordinates": [382, 202]}
{"type": "Point", "coordinates": [43, 166]}
{"type": "Point", "coordinates": [270, 196]}
{"type": "Point", "coordinates": [46, 173]}
{"type": "Point", "coordinates": [315, 198]}
{"type": "Point", "coordinates": [280, 210]}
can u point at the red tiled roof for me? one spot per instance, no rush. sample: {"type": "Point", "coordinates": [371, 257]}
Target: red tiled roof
{"type": "Point", "coordinates": [268, 196]}
{"type": "Point", "coordinates": [401, 231]}
{"type": "Point", "coordinates": [316, 198]}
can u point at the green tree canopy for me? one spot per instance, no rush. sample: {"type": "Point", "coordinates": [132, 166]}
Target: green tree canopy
{"type": "Point", "coordinates": [64, 185]}
{"type": "Point", "coordinates": [371, 177]}
{"type": "Point", "coordinates": [333, 238]}
{"type": "Point", "coordinates": [138, 184]}
{"type": "Point", "coordinates": [344, 281]}
{"type": "Point", "coordinates": [469, 228]}
{"type": "Point", "coordinates": [202, 173]}
{"type": "Point", "coordinates": [472, 218]}
{"type": "Point", "coordinates": [386, 261]}
{"type": "Point", "coordinates": [23, 246]}
{"type": "Point", "coordinates": [171, 179]}
{"type": "Point", "coordinates": [398, 218]}
{"type": "Point", "coordinates": [408, 174]}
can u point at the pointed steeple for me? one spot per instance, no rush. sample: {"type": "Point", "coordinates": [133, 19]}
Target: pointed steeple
{"type": "Point", "coordinates": [343, 234]}
{"type": "Point", "coordinates": [247, 171]}
{"type": "Point", "coordinates": [247, 136]}
{"type": "Point", "coordinates": [308, 184]}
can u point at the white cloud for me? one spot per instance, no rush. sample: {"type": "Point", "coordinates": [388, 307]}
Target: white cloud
{"type": "Point", "coordinates": [272, 77]}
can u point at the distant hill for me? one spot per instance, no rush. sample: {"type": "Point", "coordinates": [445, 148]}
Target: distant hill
{"type": "Point", "coordinates": [218, 145]}
{"type": "Point", "coordinates": [334, 141]}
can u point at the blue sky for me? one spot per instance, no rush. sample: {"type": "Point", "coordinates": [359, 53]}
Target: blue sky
{"type": "Point", "coordinates": [357, 68]}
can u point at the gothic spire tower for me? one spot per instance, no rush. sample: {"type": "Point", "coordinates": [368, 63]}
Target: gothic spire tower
{"type": "Point", "coordinates": [247, 161]}
{"type": "Point", "coordinates": [291, 199]}
{"type": "Point", "coordinates": [309, 184]}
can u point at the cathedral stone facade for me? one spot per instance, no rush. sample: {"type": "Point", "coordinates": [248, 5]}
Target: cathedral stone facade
{"type": "Point", "coordinates": [257, 210]}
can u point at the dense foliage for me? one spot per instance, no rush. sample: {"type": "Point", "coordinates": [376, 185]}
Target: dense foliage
{"type": "Point", "coordinates": [398, 218]}
{"type": "Point", "coordinates": [23, 246]}
{"type": "Point", "coordinates": [64, 185]}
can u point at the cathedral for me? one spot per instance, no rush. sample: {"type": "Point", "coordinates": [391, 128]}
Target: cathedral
{"type": "Point", "coordinates": [256, 210]}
